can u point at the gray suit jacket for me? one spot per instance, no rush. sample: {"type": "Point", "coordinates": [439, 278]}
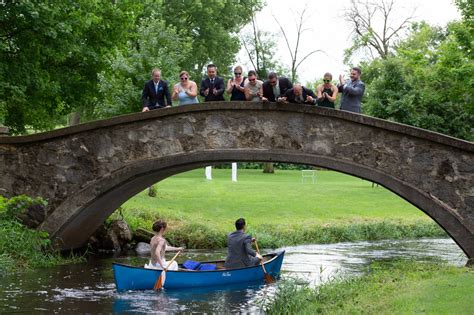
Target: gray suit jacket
{"type": "Point", "coordinates": [239, 251]}
{"type": "Point", "coordinates": [352, 93]}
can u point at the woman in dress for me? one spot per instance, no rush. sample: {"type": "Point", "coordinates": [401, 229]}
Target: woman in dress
{"type": "Point", "coordinates": [186, 90]}
{"type": "Point", "coordinates": [159, 246]}
{"type": "Point", "coordinates": [327, 92]}
{"type": "Point", "coordinates": [235, 85]}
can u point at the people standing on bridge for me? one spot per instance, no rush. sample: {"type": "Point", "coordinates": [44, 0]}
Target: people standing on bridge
{"type": "Point", "coordinates": [235, 85]}
{"type": "Point", "coordinates": [352, 91]}
{"type": "Point", "coordinates": [327, 92]}
{"type": "Point", "coordinates": [212, 87]}
{"type": "Point", "coordinates": [253, 88]}
{"type": "Point", "coordinates": [159, 246]}
{"type": "Point", "coordinates": [299, 95]}
{"type": "Point", "coordinates": [275, 87]}
{"type": "Point", "coordinates": [239, 248]}
{"type": "Point", "coordinates": [186, 90]}
{"type": "Point", "coordinates": [155, 92]}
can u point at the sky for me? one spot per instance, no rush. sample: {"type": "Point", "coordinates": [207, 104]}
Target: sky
{"type": "Point", "coordinates": [328, 31]}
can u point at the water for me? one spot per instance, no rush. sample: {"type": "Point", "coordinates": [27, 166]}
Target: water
{"type": "Point", "coordinates": [89, 287]}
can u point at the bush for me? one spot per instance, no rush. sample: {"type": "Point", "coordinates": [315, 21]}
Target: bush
{"type": "Point", "coordinates": [21, 247]}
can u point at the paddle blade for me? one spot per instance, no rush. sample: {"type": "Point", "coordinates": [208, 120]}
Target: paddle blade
{"type": "Point", "coordinates": [159, 282]}
{"type": "Point", "coordinates": [268, 278]}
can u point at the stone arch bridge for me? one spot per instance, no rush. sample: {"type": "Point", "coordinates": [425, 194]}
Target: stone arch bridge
{"type": "Point", "coordinates": [87, 171]}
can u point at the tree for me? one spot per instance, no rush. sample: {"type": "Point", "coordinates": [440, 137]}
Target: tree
{"type": "Point", "coordinates": [156, 46]}
{"type": "Point", "coordinates": [300, 29]}
{"type": "Point", "coordinates": [373, 27]}
{"type": "Point", "coordinates": [212, 27]}
{"type": "Point", "coordinates": [427, 82]}
{"type": "Point", "coordinates": [260, 48]}
{"type": "Point", "coordinates": [50, 54]}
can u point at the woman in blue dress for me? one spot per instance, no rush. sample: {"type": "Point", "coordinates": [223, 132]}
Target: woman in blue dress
{"type": "Point", "coordinates": [186, 90]}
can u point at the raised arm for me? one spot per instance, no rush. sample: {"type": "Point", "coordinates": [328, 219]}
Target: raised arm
{"type": "Point", "coordinates": [248, 247]}
{"type": "Point", "coordinates": [174, 96]}
{"type": "Point", "coordinates": [334, 94]}
{"type": "Point", "coordinates": [204, 90]}
{"type": "Point", "coordinates": [319, 91]}
{"type": "Point", "coordinates": [192, 91]}
{"type": "Point", "coordinates": [220, 87]}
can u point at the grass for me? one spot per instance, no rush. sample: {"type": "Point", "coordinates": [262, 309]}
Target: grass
{"type": "Point", "coordinates": [390, 288]}
{"type": "Point", "coordinates": [279, 209]}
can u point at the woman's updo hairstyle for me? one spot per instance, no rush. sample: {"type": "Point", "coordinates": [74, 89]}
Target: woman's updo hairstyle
{"type": "Point", "coordinates": [158, 225]}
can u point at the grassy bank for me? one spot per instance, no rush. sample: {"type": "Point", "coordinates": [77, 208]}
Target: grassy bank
{"type": "Point", "coordinates": [23, 248]}
{"type": "Point", "coordinates": [279, 209]}
{"type": "Point", "coordinates": [396, 288]}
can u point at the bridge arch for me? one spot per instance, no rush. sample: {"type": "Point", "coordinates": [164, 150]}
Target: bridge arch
{"type": "Point", "coordinates": [102, 164]}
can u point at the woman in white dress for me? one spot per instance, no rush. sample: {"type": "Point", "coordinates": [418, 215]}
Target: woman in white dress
{"type": "Point", "coordinates": [159, 246]}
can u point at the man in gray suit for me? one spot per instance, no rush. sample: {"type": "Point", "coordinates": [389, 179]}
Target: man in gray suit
{"type": "Point", "coordinates": [239, 248]}
{"type": "Point", "coordinates": [352, 91]}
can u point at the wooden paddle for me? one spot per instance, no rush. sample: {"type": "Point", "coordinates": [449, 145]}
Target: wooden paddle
{"type": "Point", "coordinates": [268, 278]}
{"type": "Point", "coordinates": [159, 281]}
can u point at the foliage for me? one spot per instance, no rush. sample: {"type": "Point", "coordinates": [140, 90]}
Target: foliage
{"type": "Point", "coordinates": [427, 82]}
{"type": "Point", "coordinates": [50, 54]}
{"type": "Point", "coordinates": [156, 46]}
{"type": "Point", "coordinates": [16, 205]}
{"type": "Point", "coordinates": [260, 47]}
{"type": "Point", "coordinates": [22, 248]}
{"type": "Point", "coordinates": [400, 287]}
{"type": "Point", "coordinates": [212, 27]}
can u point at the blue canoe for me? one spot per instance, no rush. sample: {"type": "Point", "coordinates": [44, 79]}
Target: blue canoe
{"type": "Point", "coordinates": [139, 278]}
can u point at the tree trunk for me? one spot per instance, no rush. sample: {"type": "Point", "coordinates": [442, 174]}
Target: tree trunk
{"type": "Point", "coordinates": [74, 118]}
{"type": "Point", "coordinates": [268, 168]}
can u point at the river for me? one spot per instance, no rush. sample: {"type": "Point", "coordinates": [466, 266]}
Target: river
{"type": "Point", "coordinates": [89, 287]}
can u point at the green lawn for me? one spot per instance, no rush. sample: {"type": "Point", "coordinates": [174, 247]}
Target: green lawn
{"type": "Point", "coordinates": [277, 204]}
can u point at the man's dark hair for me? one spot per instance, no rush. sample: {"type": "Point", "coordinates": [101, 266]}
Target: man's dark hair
{"type": "Point", "coordinates": [211, 65]}
{"type": "Point", "coordinates": [240, 223]}
{"type": "Point", "coordinates": [272, 75]}
{"type": "Point", "coordinates": [357, 69]}
{"type": "Point", "coordinates": [252, 73]}
{"type": "Point", "coordinates": [158, 225]}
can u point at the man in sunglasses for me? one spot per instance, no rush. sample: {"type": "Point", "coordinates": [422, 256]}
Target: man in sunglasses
{"type": "Point", "coordinates": [212, 87]}
{"type": "Point", "coordinates": [352, 91]}
{"type": "Point", "coordinates": [299, 95]}
{"type": "Point", "coordinates": [274, 88]}
{"type": "Point", "coordinates": [155, 92]}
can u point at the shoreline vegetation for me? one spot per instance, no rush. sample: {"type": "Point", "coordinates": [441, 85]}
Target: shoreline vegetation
{"type": "Point", "coordinates": [280, 208]}
{"type": "Point", "coordinates": [400, 287]}
{"type": "Point", "coordinates": [24, 248]}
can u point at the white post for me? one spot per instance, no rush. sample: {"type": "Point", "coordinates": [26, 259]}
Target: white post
{"type": "Point", "coordinates": [234, 172]}
{"type": "Point", "coordinates": [209, 172]}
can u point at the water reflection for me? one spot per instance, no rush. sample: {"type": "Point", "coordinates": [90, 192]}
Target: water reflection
{"type": "Point", "coordinates": [226, 299]}
{"type": "Point", "coordinates": [89, 288]}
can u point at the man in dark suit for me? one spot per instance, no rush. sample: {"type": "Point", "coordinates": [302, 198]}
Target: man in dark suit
{"type": "Point", "coordinates": [155, 92]}
{"type": "Point", "coordinates": [212, 87]}
{"type": "Point", "coordinates": [300, 95]}
{"type": "Point", "coordinates": [239, 248]}
{"type": "Point", "coordinates": [274, 88]}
